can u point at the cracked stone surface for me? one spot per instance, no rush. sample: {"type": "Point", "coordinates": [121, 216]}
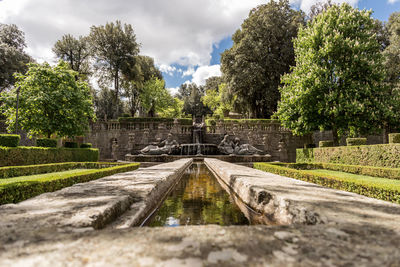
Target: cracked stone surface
{"type": "Point", "coordinates": [286, 201]}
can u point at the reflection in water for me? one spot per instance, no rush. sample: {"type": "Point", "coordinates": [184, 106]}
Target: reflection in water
{"type": "Point", "coordinates": [198, 199]}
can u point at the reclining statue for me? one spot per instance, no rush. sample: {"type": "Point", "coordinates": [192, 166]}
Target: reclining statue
{"type": "Point", "coordinates": [245, 149]}
{"type": "Point", "coordinates": [165, 147]}
{"type": "Point", "coordinates": [226, 147]}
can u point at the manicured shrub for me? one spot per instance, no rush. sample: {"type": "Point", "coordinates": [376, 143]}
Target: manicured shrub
{"type": "Point", "coordinates": [46, 142]}
{"type": "Point", "coordinates": [394, 138]}
{"type": "Point", "coordinates": [16, 191]}
{"type": "Point", "coordinates": [9, 140]}
{"type": "Point", "coordinates": [69, 144]}
{"type": "Point", "coordinates": [304, 155]}
{"type": "Point", "coordinates": [17, 156]}
{"type": "Point", "coordinates": [86, 145]}
{"type": "Point", "coordinates": [356, 141]}
{"type": "Point", "coordinates": [309, 146]}
{"type": "Point", "coordinates": [374, 188]}
{"type": "Point", "coordinates": [328, 143]}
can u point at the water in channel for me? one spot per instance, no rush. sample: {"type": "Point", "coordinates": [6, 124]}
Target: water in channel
{"type": "Point", "coordinates": [198, 199]}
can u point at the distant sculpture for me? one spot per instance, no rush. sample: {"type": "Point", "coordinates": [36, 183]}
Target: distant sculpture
{"type": "Point", "coordinates": [226, 146]}
{"type": "Point", "coordinates": [114, 150]}
{"type": "Point", "coordinates": [161, 147]}
{"type": "Point", "coordinates": [244, 149]}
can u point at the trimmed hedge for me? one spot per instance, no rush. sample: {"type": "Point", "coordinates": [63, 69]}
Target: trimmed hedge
{"type": "Point", "coordinates": [356, 141]}
{"type": "Point", "coordinates": [305, 155]}
{"type": "Point", "coordinates": [69, 144]}
{"type": "Point", "coordinates": [20, 190]}
{"type": "Point", "coordinates": [14, 171]}
{"type": "Point", "coordinates": [17, 156]}
{"type": "Point", "coordinates": [386, 155]}
{"type": "Point", "coordinates": [394, 138]}
{"type": "Point", "coordinates": [86, 145]}
{"type": "Point", "coordinates": [373, 189]}
{"type": "Point", "coordinates": [46, 142]}
{"type": "Point", "coordinates": [213, 122]}
{"type": "Point", "coordinates": [389, 173]}
{"type": "Point", "coordinates": [9, 140]}
{"type": "Point", "coordinates": [328, 143]}
{"type": "Point", "coordinates": [182, 121]}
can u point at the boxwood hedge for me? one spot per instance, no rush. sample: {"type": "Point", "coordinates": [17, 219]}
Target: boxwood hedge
{"type": "Point", "coordinates": [370, 189]}
{"type": "Point", "coordinates": [9, 140]}
{"type": "Point", "coordinates": [13, 171]}
{"type": "Point", "coordinates": [46, 142]}
{"type": "Point", "coordinates": [17, 156]}
{"type": "Point", "coordinates": [17, 191]}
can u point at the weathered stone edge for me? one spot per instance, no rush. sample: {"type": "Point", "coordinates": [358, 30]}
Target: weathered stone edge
{"type": "Point", "coordinates": [278, 211]}
{"type": "Point", "coordinates": [140, 210]}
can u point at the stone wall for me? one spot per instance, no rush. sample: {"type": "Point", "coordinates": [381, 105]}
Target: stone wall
{"type": "Point", "coordinates": [327, 135]}
{"type": "Point", "coordinates": [132, 137]}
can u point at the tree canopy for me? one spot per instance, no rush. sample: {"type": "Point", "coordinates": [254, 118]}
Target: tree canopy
{"type": "Point", "coordinates": [13, 58]}
{"type": "Point", "coordinates": [262, 51]}
{"type": "Point", "coordinates": [337, 83]}
{"type": "Point", "coordinates": [51, 101]}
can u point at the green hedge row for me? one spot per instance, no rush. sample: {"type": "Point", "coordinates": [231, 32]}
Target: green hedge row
{"type": "Point", "coordinates": [17, 156]}
{"type": "Point", "coordinates": [390, 173]}
{"type": "Point", "coordinates": [9, 140]}
{"type": "Point", "coordinates": [14, 171]}
{"type": "Point", "coordinates": [394, 138]}
{"type": "Point", "coordinates": [21, 190]}
{"type": "Point", "coordinates": [212, 122]}
{"type": "Point", "coordinates": [46, 142]}
{"type": "Point", "coordinates": [328, 143]}
{"type": "Point", "coordinates": [86, 145]}
{"type": "Point", "coordinates": [356, 141]}
{"type": "Point", "coordinates": [386, 155]}
{"type": "Point", "coordinates": [372, 189]}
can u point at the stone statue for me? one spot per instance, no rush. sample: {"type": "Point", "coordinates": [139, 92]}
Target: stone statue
{"type": "Point", "coordinates": [226, 146]}
{"type": "Point", "coordinates": [161, 147]}
{"type": "Point", "coordinates": [245, 149]}
{"type": "Point", "coordinates": [114, 150]}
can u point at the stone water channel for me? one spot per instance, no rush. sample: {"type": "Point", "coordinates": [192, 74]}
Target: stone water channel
{"type": "Point", "coordinates": [92, 224]}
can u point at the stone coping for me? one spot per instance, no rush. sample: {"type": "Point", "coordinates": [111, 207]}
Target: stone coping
{"type": "Point", "coordinates": [287, 201]}
{"type": "Point", "coordinates": [171, 158]}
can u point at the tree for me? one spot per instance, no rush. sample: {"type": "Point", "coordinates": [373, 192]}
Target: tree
{"type": "Point", "coordinates": [337, 83]}
{"type": "Point", "coordinates": [155, 97]}
{"type": "Point", "coordinates": [51, 101]}
{"type": "Point", "coordinates": [262, 51]}
{"type": "Point", "coordinates": [103, 104]}
{"type": "Point", "coordinates": [74, 51]}
{"type": "Point", "coordinates": [134, 79]}
{"type": "Point", "coordinates": [172, 111]}
{"type": "Point", "coordinates": [191, 95]}
{"type": "Point", "coordinates": [13, 58]}
{"type": "Point", "coordinates": [115, 49]}
{"type": "Point", "coordinates": [219, 100]}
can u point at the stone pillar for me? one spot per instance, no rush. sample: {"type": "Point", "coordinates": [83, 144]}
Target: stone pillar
{"type": "Point", "coordinates": [283, 152]}
{"type": "Point", "coordinates": [131, 142]}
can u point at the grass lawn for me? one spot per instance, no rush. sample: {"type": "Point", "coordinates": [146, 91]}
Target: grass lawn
{"type": "Point", "coordinates": [41, 177]}
{"type": "Point", "coordinates": [359, 179]}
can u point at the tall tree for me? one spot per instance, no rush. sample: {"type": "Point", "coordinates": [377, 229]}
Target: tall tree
{"type": "Point", "coordinates": [115, 49]}
{"type": "Point", "coordinates": [191, 95]}
{"type": "Point", "coordinates": [337, 83]}
{"type": "Point", "coordinates": [13, 58]}
{"type": "Point", "coordinates": [155, 97]}
{"type": "Point", "coordinates": [74, 51]}
{"type": "Point", "coordinates": [262, 51]}
{"type": "Point", "coordinates": [51, 101]}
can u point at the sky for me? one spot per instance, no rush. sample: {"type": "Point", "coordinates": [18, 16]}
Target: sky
{"type": "Point", "coordinates": [185, 37]}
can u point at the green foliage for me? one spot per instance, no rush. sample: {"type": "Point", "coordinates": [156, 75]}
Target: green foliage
{"type": "Point", "coordinates": [386, 155]}
{"type": "Point", "coordinates": [9, 140]}
{"type": "Point", "coordinates": [304, 155]}
{"type": "Point", "coordinates": [69, 144]}
{"type": "Point", "coordinates": [14, 171]}
{"type": "Point", "coordinates": [76, 52]}
{"type": "Point", "coordinates": [394, 138]}
{"type": "Point", "coordinates": [191, 95]}
{"type": "Point", "coordinates": [155, 98]}
{"type": "Point", "coordinates": [219, 100]}
{"type": "Point", "coordinates": [114, 49]}
{"type": "Point", "coordinates": [380, 188]}
{"type": "Point", "coordinates": [46, 142]}
{"type": "Point", "coordinates": [328, 143]}
{"type": "Point", "coordinates": [182, 121]}
{"type": "Point", "coordinates": [51, 101]}
{"type": "Point", "coordinates": [337, 83]}
{"type": "Point", "coordinates": [15, 191]}
{"type": "Point", "coordinates": [213, 122]}
{"type": "Point", "coordinates": [104, 104]}
{"type": "Point", "coordinates": [10, 156]}
{"type": "Point", "coordinates": [86, 145]}
{"type": "Point", "coordinates": [174, 110]}
{"type": "Point", "coordinates": [262, 51]}
{"type": "Point", "coordinates": [356, 141]}
{"type": "Point", "coordinates": [13, 57]}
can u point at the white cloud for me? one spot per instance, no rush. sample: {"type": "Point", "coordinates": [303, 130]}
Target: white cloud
{"type": "Point", "coordinates": [167, 69]}
{"type": "Point", "coordinates": [188, 72]}
{"type": "Point", "coordinates": [393, 1]}
{"type": "Point", "coordinates": [174, 31]}
{"type": "Point", "coordinates": [204, 72]}
{"type": "Point", "coordinates": [173, 91]}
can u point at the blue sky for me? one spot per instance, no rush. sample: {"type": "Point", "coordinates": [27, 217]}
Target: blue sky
{"type": "Point", "coordinates": [185, 37]}
{"type": "Point", "coordinates": [381, 8]}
